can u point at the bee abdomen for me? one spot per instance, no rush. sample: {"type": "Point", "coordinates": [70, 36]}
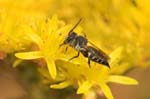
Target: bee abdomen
{"type": "Point", "coordinates": [99, 60]}
{"type": "Point", "coordinates": [102, 61]}
{"type": "Point", "coordinates": [94, 58]}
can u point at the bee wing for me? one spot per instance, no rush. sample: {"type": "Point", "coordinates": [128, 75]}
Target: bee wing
{"type": "Point", "coordinates": [103, 53]}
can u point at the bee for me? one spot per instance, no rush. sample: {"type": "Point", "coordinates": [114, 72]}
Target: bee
{"type": "Point", "coordinates": [79, 43]}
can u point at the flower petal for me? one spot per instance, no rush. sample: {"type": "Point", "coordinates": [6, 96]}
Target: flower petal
{"type": "Point", "coordinates": [35, 38]}
{"type": "Point", "coordinates": [84, 87]}
{"type": "Point", "coordinates": [123, 80]}
{"type": "Point", "coordinates": [106, 90]}
{"type": "Point", "coordinates": [17, 62]}
{"type": "Point", "coordinates": [53, 24]}
{"type": "Point", "coordinates": [51, 68]}
{"type": "Point", "coordinates": [29, 55]}
{"type": "Point", "coordinates": [61, 85]}
{"type": "Point", "coordinates": [116, 56]}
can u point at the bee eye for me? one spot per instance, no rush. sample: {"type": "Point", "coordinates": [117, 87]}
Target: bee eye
{"type": "Point", "coordinates": [71, 36]}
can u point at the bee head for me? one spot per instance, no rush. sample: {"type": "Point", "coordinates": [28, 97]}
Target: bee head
{"type": "Point", "coordinates": [70, 37]}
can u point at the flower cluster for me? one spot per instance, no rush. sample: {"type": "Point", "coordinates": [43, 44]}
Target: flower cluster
{"type": "Point", "coordinates": [48, 36]}
{"type": "Point", "coordinates": [119, 27]}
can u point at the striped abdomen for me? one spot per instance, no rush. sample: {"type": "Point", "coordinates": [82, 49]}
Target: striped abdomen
{"type": "Point", "coordinates": [95, 55]}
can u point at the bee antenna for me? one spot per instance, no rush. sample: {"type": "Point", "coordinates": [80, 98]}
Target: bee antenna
{"type": "Point", "coordinates": [75, 25]}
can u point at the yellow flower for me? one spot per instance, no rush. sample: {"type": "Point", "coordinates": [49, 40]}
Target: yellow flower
{"type": "Point", "coordinates": [47, 35]}
{"type": "Point", "coordinates": [78, 73]}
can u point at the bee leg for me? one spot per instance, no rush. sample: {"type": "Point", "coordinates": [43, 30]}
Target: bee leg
{"type": "Point", "coordinates": [61, 45]}
{"type": "Point", "coordinates": [75, 56]}
{"type": "Point", "coordinates": [89, 63]}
